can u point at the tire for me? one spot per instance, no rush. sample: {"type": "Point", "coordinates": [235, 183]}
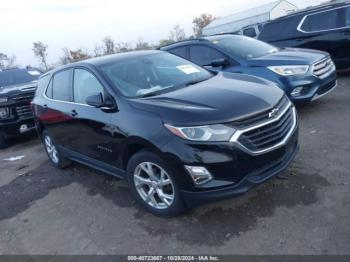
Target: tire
{"type": "Point", "coordinates": [165, 199]}
{"type": "Point", "coordinates": [56, 157]}
{"type": "Point", "coordinates": [3, 141]}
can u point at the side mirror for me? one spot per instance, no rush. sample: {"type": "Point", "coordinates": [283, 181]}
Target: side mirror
{"type": "Point", "coordinates": [95, 100]}
{"type": "Point", "coordinates": [219, 62]}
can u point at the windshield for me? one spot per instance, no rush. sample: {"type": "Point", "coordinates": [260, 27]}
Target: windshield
{"type": "Point", "coordinates": [244, 47]}
{"type": "Point", "coordinates": [18, 76]}
{"type": "Point", "coordinates": [152, 74]}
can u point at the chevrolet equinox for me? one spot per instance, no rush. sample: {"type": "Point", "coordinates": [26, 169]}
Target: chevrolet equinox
{"type": "Point", "coordinates": [177, 133]}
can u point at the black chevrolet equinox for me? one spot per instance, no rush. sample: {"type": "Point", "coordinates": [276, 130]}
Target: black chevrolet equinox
{"type": "Point", "coordinates": [177, 133]}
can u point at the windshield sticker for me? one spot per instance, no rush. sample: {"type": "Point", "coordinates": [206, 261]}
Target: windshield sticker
{"type": "Point", "coordinates": [188, 69]}
{"type": "Point", "coordinates": [34, 73]}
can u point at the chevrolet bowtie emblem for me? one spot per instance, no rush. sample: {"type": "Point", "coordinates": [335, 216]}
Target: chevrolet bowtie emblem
{"type": "Point", "coordinates": [274, 113]}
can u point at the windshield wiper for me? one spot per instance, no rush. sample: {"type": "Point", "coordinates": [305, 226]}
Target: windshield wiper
{"type": "Point", "coordinates": [149, 94]}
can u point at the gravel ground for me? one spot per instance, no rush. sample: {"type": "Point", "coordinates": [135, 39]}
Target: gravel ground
{"type": "Point", "coordinates": [79, 211]}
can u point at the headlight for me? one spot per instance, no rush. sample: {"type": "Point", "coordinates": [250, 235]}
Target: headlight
{"type": "Point", "coordinates": [289, 70]}
{"type": "Point", "coordinates": [4, 112]}
{"type": "Point", "coordinates": [203, 133]}
{"type": "Point", "coordinates": [3, 99]}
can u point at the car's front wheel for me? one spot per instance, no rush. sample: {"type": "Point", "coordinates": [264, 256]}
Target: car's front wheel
{"type": "Point", "coordinates": [57, 159]}
{"type": "Point", "coordinates": [154, 185]}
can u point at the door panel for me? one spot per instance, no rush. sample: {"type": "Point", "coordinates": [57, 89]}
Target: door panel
{"type": "Point", "coordinates": [56, 110]}
{"type": "Point", "coordinates": [89, 134]}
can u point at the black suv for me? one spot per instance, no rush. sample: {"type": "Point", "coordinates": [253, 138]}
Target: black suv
{"type": "Point", "coordinates": [179, 134]}
{"type": "Point", "coordinates": [17, 87]}
{"type": "Point", "coordinates": [324, 28]}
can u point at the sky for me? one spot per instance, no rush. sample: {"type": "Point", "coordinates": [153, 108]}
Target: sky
{"type": "Point", "coordinates": [84, 23]}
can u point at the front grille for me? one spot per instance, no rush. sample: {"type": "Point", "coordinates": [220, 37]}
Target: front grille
{"type": "Point", "coordinates": [24, 110]}
{"type": "Point", "coordinates": [323, 68]}
{"type": "Point", "coordinates": [24, 97]}
{"type": "Point", "coordinates": [325, 88]}
{"type": "Point", "coordinates": [269, 135]}
{"type": "Point", "coordinates": [260, 117]}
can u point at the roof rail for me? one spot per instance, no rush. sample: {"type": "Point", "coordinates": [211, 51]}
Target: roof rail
{"type": "Point", "coordinates": [181, 41]}
{"type": "Point", "coordinates": [313, 8]}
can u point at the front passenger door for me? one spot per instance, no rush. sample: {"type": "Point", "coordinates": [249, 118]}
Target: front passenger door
{"type": "Point", "coordinates": [91, 136]}
{"type": "Point", "coordinates": [204, 55]}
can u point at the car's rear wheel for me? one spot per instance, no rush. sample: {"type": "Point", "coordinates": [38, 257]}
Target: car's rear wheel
{"type": "Point", "coordinates": [57, 159]}
{"type": "Point", "coordinates": [3, 140]}
{"type": "Point", "coordinates": [154, 185]}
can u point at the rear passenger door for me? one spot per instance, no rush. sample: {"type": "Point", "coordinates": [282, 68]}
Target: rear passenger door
{"type": "Point", "coordinates": [56, 112]}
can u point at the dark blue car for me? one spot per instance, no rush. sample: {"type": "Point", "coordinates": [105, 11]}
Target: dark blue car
{"type": "Point", "coordinates": [303, 74]}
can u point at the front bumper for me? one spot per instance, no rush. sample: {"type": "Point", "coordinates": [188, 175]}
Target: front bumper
{"type": "Point", "coordinates": [234, 171]}
{"type": "Point", "coordinates": [314, 87]}
{"type": "Point", "coordinates": [13, 128]}
{"type": "Point", "coordinates": [193, 198]}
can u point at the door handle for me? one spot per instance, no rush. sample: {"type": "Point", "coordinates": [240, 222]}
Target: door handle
{"type": "Point", "coordinates": [45, 106]}
{"type": "Point", "coordinates": [73, 112]}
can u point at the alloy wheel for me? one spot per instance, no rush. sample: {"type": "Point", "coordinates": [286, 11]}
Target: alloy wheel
{"type": "Point", "coordinates": [51, 150]}
{"type": "Point", "coordinates": [154, 185]}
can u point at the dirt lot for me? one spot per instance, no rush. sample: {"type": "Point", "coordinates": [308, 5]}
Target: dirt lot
{"type": "Point", "coordinates": [78, 211]}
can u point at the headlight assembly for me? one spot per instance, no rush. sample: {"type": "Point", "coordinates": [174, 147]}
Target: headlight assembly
{"type": "Point", "coordinates": [289, 70]}
{"type": "Point", "coordinates": [203, 133]}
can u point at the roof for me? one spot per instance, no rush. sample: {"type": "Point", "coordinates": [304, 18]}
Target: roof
{"type": "Point", "coordinates": [97, 61]}
{"type": "Point", "coordinates": [262, 9]}
{"type": "Point", "coordinates": [200, 39]}
{"type": "Point", "coordinates": [116, 57]}
{"type": "Point", "coordinates": [313, 9]}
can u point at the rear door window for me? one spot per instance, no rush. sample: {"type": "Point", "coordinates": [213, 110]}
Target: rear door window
{"type": "Point", "coordinates": [179, 51]}
{"type": "Point", "coordinates": [204, 55]}
{"type": "Point", "coordinates": [61, 86]}
{"type": "Point", "coordinates": [326, 20]}
{"type": "Point", "coordinates": [42, 84]}
{"type": "Point", "coordinates": [347, 16]}
{"type": "Point", "coordinates": [280, 29]}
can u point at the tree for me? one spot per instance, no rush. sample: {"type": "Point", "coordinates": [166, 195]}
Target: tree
{"type": "Point", "coordinates": [123, 47]}
{"type": "Point", "coordinates": [109, 46]}
{"type": "Point", "coordinates": [70, 56]}
{"type": "Point", "coordinates": [3, 59]}
{"type": "Point", "coordinates": [11, 61]}
{"type": "Point", "coordinates": [164, 42]}
{"type": "Point", "coordinates": [142, 45]}
{"type": "Point", "coordinates": [98, 50]}
{"type": "Point", "coordinates": [40, 51]}
{"type": "Point", "coordinates": [177, 34]}
{"type": "Point", "coordinates": [7, 61]}
{"type": "Point", "coordinates": [200, 22]}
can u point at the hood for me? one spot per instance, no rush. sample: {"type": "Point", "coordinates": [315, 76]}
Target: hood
{"type": "Point", "coordinates": [223, 98]}
{"type": "Point", "coordinates": [289, 56]}
{"type": "Point", "coordinates": [14, 89]}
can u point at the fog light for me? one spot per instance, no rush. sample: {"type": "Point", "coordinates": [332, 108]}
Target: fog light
{"type": "Point", "coordinates": [200, 175]}
{"type": "Point", "coordinates": [297, 91]}
{"type": "Point", "coordinates": [23, 128]}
